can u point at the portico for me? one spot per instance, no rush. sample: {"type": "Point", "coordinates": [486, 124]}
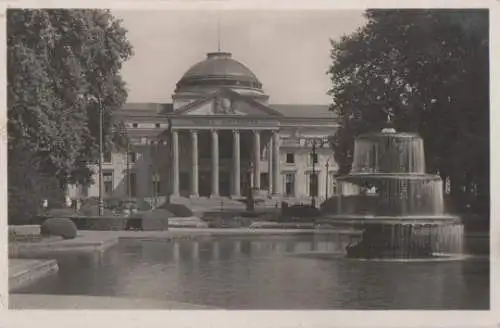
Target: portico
{"type": "Point", "coordinates": [221, 161]}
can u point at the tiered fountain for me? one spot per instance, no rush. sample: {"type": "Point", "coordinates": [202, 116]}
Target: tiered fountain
{"type": "Point", "coordinates": [403, 216]}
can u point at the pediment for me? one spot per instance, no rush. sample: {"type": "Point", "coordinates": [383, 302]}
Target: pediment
{"type": "Point", "coordinates": [227, 103]}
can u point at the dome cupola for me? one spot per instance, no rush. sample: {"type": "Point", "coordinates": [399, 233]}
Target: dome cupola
{"type": "Point", "coordinates": [219, 69]}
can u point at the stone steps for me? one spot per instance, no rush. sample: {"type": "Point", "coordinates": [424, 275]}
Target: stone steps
{"type": "Point", "coordinates": [24, 272]}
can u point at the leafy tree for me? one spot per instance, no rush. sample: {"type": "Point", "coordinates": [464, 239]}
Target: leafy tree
{"type": "Point", "coordinates": [63, 68]}
{"type": "Point", "coordinates": [431, 69]}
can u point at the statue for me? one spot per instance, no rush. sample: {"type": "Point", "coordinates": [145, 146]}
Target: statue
{"type": "Point", "coordinates": [389, 125]}
{"type": "Point", "coordinates": [390, 115]}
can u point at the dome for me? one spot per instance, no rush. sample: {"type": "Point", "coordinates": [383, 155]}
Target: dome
{"type": "Point", "coordinates": [219, 69]}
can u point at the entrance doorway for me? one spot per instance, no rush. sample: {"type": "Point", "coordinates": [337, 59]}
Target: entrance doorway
{"type": "Point", "coordinates": [290, 184]}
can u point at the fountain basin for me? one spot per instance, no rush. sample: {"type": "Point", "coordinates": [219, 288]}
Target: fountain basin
{"type": "Point", "coordinates": [355, 220]}
{"type": "Point", "coordinates": [389, 153]}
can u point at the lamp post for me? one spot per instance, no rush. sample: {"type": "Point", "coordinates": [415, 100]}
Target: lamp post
{"type": "Point", "coordinates": [327, 165]}
{"type": "Point", "coordinates": [170, 156]}
{"type": "Point", "coordinates": [315, 143]}
{"type": "Point", "coordinates": [86, 99]}
{"type": "Point", "coordinates": [127, 170]}
{"type": "Point", "coordinates": [250, 200]}
{"type": "Point", "coordinates": [100, 204]}
{"type": "Point", "coordinates": [151, 172]}
{"type": "Point", "coordinates": [101, 159]}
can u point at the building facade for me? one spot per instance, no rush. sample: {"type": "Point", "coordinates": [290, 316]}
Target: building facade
{"type": "Point", "coordinates": [220, 136]}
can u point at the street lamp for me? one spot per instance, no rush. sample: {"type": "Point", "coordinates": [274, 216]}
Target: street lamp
{"type": "Point", "coordinates": [101, 159]}
{"type": "Point", "coordinates": [315, 143]}
{"type": "Point", "coordinates": [100, 204]}
{"type": "Point", "coordinates": [327, 165]}
{"type": "Point", "coordinates": [250, 200]}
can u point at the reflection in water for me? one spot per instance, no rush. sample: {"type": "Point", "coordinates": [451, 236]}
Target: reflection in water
{"type": "Point", "coordinates": [176, 251]}
{"type": "Point", "coordinates": [195, 250]}
{"type": "Point", "coordinates": [271, 272]}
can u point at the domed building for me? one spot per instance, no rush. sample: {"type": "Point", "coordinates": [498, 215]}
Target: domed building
{"type": "Point", "coordinates": [220, 137]}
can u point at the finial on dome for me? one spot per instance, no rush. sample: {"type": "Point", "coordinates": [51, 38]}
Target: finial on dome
{"type": "Point", "coordinates": [218, 35]}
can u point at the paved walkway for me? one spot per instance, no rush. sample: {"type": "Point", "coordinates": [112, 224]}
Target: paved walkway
{"type": "Point", "coordinates": [81, 302]}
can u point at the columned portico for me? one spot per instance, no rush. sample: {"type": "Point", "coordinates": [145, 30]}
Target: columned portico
{"type": "Point", "coordinates": [236, 192]}
{"type": "Point", "coordinates": [210, 163]}
{"type": "Point", "coordinates": [215, 163]}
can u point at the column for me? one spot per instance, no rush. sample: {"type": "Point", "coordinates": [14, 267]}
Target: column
{"type": "Point", "coordinates": [236, 163]}
{"type": "Point", "coordinates": [276, 164]}
{"type": "Point", "coordinates": [175, 163]}
{"type": "Point", "coordinates": [270, 164]}
{"type": "Point", "coordinates": [256, 159]}
{"type": "Point", "coordinates": [215, 163]}
{"type": "Point", "coordinates": [194, 164]}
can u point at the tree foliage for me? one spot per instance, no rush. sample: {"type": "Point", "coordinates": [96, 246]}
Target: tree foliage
{"type": "Point", "coordinates": [63, 68]}
{"type": "Point", "coordinates": [431, 69]}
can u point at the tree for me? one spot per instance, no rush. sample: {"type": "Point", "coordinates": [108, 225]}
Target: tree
{"type": "Point", "coordinates": [63, 68]}
{"type": "Point", "coordinates": [431, 69]}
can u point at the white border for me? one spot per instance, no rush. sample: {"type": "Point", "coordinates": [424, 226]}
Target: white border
{"type": "Point", "coordinates": [261, 319]}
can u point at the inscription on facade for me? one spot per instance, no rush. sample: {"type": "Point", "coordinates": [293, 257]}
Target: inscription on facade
{"type": "Point", "coordinates": [223, 122]}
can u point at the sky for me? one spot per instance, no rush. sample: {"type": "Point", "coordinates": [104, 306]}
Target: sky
{"type": "Point", "coordinates": [289, 51]}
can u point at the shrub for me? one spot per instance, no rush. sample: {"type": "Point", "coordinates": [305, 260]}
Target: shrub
{"type": "Point", "coordinates": [142, 205]}
{"type": "Point", "coordinates": [178, 210]}
{"type": "Point", "coordinates": [156, 219]}
{"type": "Point", "coordinates": [61, 212]}
{"type": "Point", "coordinates": [113, 204]}
{"type": "Point", "coordinates": [302, 211]}
{"type": "Point", "coordinates": [94, 211]}
{"type": "Point", "coordinates": [62, 227]}
{"type": "Point", "coordinates": [134, 223]}
{"type": "Point", "coordinates": [250, 214]}
{"type": "Point", "coordinates": [27, 187]}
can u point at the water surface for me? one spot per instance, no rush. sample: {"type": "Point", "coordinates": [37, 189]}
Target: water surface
{"type": "Point", "coordinates": [270, 272]}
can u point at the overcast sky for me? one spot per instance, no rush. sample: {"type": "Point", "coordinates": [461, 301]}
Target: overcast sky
{"type": "Point", "coordinates": [287, 50]}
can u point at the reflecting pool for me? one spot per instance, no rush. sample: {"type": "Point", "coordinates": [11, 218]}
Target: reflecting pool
{"type": "Point", "coordinates": [271, 272]}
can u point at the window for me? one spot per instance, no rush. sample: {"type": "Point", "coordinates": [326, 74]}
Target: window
{"type": "Point", "coordinates": [313, 184]}
{"type": "Point", "coordinates": [290, 158]}
{"type": "Point", "coordinates": [264, 181]}
{"type": "Point", "coordinates": [290, 184]}
{"type": "Point", "coordinates": [335, 188]}
{"type": "Point", "coordinates": [84, 191]}
{"type": "Point", "coordinates": [107, 157]}
{"type": "Point", "coordinates": [132, 157]}
{"type": "Point", "coordinates": [107, 178]}
{"type": "Point", "coordinates": [134, 125]}
{"type": "Point", "coordinates": [447, 186]}
{"type": "Point", "coordinates": [155, 181]}
{"type": "Point", "coordinates": [314, 158]}
{"type": "Point", "coordinates": [132, 184]}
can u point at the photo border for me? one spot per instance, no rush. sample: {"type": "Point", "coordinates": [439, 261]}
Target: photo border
{"type": "Point", "coordinates": [226, 318]}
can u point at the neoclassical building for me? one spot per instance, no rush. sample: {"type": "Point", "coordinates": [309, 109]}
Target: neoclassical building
{"type": "Point", "coordinates": [220, 135]}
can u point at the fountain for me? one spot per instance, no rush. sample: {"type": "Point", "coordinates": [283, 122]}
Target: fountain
{"type": "Point", "coordinates": [403, 216]}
